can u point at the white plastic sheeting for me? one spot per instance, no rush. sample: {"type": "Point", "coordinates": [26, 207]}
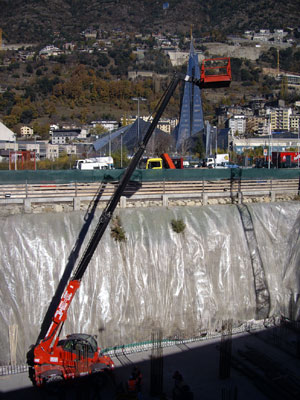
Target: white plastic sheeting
{"type": "Point", "coordinates": [157, 278]}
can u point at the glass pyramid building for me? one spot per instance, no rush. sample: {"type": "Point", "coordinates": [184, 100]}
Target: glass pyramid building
{"type": "Point", "coordinates": [191, 115]}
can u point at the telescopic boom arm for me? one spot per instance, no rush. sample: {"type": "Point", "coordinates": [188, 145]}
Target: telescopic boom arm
{"type": "Point", "coordinates": [60, 314]}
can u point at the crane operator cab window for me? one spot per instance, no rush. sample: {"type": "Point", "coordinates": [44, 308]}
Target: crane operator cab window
{"type": "Point", "coordinates": [80, 344]}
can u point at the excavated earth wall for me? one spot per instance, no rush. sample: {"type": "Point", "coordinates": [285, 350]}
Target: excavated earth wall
{"type": "Point", "coordinates": [231, 262]}
{"type": "Point", "coordinates": [11, 208]}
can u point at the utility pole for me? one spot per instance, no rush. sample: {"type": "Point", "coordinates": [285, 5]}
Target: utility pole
{"type": "Point", "coordinates": [270, 150]}
{"type": "Point", "coordinates": [298, 142]}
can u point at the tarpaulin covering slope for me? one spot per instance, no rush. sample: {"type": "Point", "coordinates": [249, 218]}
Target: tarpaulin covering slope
{"type": "Point", "coordinates": [157, 278]}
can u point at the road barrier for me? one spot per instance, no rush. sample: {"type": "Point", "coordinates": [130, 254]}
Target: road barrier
{"type": "Point", "coordinates": [162, 191]}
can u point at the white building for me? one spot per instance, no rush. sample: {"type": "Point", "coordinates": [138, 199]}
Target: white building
{"type": "Point", "coordinates": [108, 125]}
{"type": "Point", "coordinates": [6, 134]}
{"type": "Point", "coordinates": [52, 151]}
{"type": "Point", "coordinates": [294, 123]}
{"type": "Point", "coordinates": [50, 51]}
{"type": "Point", "coordinates": [13, 146]}
{"type": "Point", "coordinates": [237, 123]}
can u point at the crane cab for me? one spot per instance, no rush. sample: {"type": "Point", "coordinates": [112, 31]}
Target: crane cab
{"type": "Point", "coordinates": [77, 355]}
{"type": "Point", "coordinates": [215, 72]}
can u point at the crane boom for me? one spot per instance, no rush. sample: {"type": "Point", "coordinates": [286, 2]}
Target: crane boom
{"type": "Point", "coordinates": [48, 357]}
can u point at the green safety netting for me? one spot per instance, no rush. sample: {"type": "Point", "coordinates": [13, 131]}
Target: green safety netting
{"type": "Point", "coordinates": [189, 174]}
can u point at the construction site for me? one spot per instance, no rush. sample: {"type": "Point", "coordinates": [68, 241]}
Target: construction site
{"type": "Point", "coordinates": [218, 303]}
{"type": "Point", "coordinates": [195, 302]}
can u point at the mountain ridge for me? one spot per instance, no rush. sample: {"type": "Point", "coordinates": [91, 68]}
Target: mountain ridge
{"type": "Point", "coordinates": [41, 20]}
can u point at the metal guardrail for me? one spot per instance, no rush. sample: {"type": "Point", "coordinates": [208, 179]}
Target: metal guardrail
{"type": "Point", "coordinates": [247, 326]}
{"type": "Point", "coordinates": [13, 369]}
{"type": "Point", "coordinates": [145, 189]}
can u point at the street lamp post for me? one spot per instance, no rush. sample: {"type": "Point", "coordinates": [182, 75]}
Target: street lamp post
{"type": "Point", "coordinates": [216, 132]}
{"type": "Point", "coordinates": [121, 149]}
{"type": "Point", "coordinates": [109, 144]}
{"type": "Point", "coordinates": [35, 151]}
{"type": "Point", "coordinates": [138, 99]}
{"type": "Point", "coordinates": [298, 143]}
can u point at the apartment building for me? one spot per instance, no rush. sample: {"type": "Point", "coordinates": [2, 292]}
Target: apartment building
{"type": "Point", "coordinates": [294, 123]}
{"type": "Point", "coordinates": [279, 118]}
{"type": "Point", "coordinates": [237, 124]}
{"type": "Point", "coordinates": [257, 124]}
{"type": "Point", "coordinates": [64, 136]}
{"type": "Point", "coordinates": [52, 151]}
{"type": "Point", "coordinates": [26, 131]}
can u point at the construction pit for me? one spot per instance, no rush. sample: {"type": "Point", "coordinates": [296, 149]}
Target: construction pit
{"type": "Point", "coordinates": [226, 285]}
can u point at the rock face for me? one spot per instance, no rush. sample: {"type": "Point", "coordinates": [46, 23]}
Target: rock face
{"type": "Point", "coordinates": [180, 282]}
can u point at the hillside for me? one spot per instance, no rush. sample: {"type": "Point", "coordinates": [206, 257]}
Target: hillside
{"type": "Point", "coordinates": [86, 84]}
{"type": "Point", "coordinates": [41, 20]}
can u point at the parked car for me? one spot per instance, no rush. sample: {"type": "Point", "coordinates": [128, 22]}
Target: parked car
{"type": "Point", "coordinates": [224, 165]}
{"type": "Point", "coordinates": [231, 165]}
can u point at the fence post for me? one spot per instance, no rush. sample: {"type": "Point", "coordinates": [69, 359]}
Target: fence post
{"type": "Point", "coordinates": [76, 204]}
{"type": "Point", "coordinates": [165, 200]}
{"type": "Point", "coordinates": [27, 206]}
{"type": "Point", "coordinates": [123, 201]}
{"type": "Point", "coordinates": [273, 196]}
{"type": "Point", "coordinates": [240, 197]}
{"type": "Point", "coordinates": [26, 188]}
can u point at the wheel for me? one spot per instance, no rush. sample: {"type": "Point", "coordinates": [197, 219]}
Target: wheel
{"type": "Point", "coordinates": [53, 383]}
{"type": "Point", "coordinates": [99, 379]}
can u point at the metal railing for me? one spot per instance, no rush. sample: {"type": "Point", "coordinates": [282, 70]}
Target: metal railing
{"type": "Point", "coordinates": [226, 187]}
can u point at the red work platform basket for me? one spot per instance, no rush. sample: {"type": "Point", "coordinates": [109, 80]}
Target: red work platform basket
{"type": "Point", "coordinates": [215, 72]}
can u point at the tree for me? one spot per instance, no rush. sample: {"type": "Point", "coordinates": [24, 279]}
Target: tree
{"type": "Point", "coordinates": [245, 75]}
{"type": "Point", "coordinates": [162, 143]}
{"type": "Point", "coordinates": [199, 147]}
{"type": "Point", "coordinates": [41, 130]}
{"type": "Point", "coordinates": [29, 68]}
{"type": "Point", "coordinates": [120, 156]}
{"type": "Point", "coordinates": [98, 130]}
{"type": "Point", "coordinates": [103, 60]}
{"type": "Point", "coordinates": [236, 64]}
{"type": "Point", "coordinates": [26, 116]}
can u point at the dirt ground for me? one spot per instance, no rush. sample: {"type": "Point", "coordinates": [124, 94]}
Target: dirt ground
{"type": "Point", "coordinates": [264, 365]}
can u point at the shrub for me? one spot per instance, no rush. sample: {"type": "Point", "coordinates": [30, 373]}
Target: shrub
{"type": "Point", "coordinates": [178, 225]}
{"type": "Point", "coordinates": [117, 232]}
